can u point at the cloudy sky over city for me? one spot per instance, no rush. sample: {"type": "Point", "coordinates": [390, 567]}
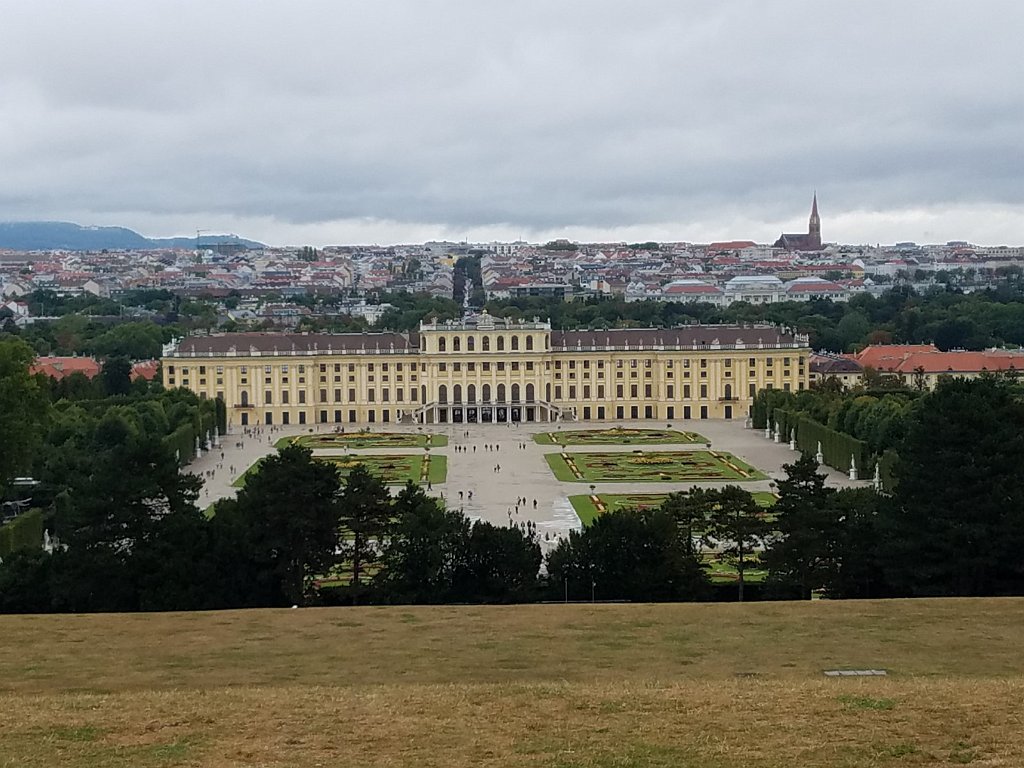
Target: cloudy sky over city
{"type": "Point", "coordinates": [384, 122]}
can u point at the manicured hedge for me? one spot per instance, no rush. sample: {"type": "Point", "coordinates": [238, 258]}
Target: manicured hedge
{"type": "Point", "coordinates": [24, 532]}
{"type": "Point", "coordinates": [836, 447]}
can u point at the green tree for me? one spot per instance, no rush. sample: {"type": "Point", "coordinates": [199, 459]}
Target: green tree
{"type": "Point", "coordinates": [116, 376]}
{"type": "Point", "coordinates": [500, 565]}
{"type": "Point", "coordinates": [956, 526]}
{"type": "Point", "coordinates": [856, 549]}
{"type": "Point", "coordinates": [801, 550]}
{"type": "Point", "coordinates": [425, 551]}
{"type": "Point", "coordinates": [738, 526]}
{"type": "Point", "coordinates": [23, 409]}
{"type": "Point", "coordinates": [691, 511]}
{"type": "Point", "coordinates": [627, 555]}
{"type": "Point", "coordinates": [365, 514]}
{"type": "Point", "coordinates": [291, 506]}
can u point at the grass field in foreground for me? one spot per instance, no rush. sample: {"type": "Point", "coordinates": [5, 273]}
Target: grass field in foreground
{"type": "Point", "coordinates": [575, 686]}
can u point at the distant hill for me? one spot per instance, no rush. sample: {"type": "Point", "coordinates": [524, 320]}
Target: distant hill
{"type": "Point", "coordinates": [63, 235]}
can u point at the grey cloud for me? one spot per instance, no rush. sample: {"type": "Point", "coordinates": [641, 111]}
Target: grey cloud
{"type": "Point", "coordinates": [587, 115]}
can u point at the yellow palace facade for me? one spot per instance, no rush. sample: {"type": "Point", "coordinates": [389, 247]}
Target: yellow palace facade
{"type": "Point", "coordinates": [485, 369]}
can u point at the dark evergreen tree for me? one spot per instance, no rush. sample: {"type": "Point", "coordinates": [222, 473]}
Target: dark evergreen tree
{"type": "Point", "coordinates": [738, 526]}
{"type": "Point", "coordinates": [290, 506]}
{"type": "Point", "coordinates": [956, 526]}
{"type": "Point", "coordinates": [500, 565]}
{"type": "Point", "coordinates": [116, 375]}
{"type": "Point", "coordinates": [855, 564]}
{"type": "Point", "coordinates": [800, 552]}
{"type": "Point", "coordinates": [425, 552]}
{"type": "Point", "coordinates": [365, 515]}
{"type": "Point", "coordinates": [627, 555]}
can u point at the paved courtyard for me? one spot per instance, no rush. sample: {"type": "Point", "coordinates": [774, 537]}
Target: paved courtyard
{"type": "Point", "coordinates": [524, 472]}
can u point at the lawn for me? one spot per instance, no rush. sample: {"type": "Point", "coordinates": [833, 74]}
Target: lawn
{"type": "Point", "coordinates": [391, 469]}
{"type": "Point", "coordinates": [587, 509]}
{"type": "Point", "coordinates": [618, 436]}
{"type": "Point", "coordinates": [650, 467]}
{"type": "Point", "coordinates": [364, 439]}
{"type": "Point", "coordinates": [566, 686]}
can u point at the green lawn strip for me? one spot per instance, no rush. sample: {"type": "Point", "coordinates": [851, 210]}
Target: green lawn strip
{"type": "Point", "coordinates": [560, 468]}
{"type": "Point", "coordinates": [619, 437]}
{"type": "Point", "coordinates": [679, 466]}
{"type": "Point", "coordinates": [584, 508]}
{"type": "Point", "coordinates": [438, 470]}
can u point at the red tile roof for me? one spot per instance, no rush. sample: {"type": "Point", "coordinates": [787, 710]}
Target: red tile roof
{"type": "Point", "coordinates": [59, 367]}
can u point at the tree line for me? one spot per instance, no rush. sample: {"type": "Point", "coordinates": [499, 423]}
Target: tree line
{"type": "Point", "coordinates": [133, 535]}
{"type": "Point", "coordinates": [945, 316]}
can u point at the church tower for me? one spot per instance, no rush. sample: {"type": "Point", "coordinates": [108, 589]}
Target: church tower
{"type": "Point", "coordinates": [814, 226]}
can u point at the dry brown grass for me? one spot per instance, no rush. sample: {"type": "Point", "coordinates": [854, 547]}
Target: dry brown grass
{"type": "Point", "coordinates": [564, 686]}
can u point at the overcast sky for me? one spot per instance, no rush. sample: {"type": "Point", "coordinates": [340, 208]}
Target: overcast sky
{"type": "Point", "coordinates": [342, 122]}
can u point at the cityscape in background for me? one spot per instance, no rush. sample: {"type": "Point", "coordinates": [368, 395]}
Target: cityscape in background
{"type": "Point", "coordinates": [794, 268]}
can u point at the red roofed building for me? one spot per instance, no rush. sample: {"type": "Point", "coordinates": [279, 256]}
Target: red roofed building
{"type": "Point", "coordinates": [731, 245]}
{"type": "Point", "coordinates": [57, 367]}
{"type": "Point", "coordinates": [924, 364]}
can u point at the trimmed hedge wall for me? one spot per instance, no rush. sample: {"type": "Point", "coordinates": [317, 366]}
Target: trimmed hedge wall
{"type": "Point", "coordinates": [836, 447]}
{"type": "Point", "coordinates": [208, 414]}
{"type": "Point", "coordinates": [23, 532]}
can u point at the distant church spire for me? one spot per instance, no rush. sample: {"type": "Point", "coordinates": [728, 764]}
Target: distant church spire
{"type": "Point", "coordinates": [814, 226]}
{"type": "Point", "coordinates": [799, 242]}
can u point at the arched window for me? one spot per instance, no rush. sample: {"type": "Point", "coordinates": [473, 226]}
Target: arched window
{"type": "Point", "coordinates": [441, 344]}
{"type": "Point", "coordinates": [515, 343]}
{"type": "Point", "coordinates": [471, 344]}
{"type": "Point", "coordinates": [485, 344]}
{"type": "Point", "coordinates": [471, 393]}
{"type": "Point", "coordinates": [547, 392]}
{"type": "Point", "coordinates": [457, 393]}
{"type": "Point", "coordinates": [423, 343]}
{"type": "Point", "coordinates": [442, 394]}
{"type": "Point", "coordinates": [501, 343]}
{"type": "Point", "coordinates": [456, 344]}
{"type": "Point", "coordinates": [245, 397]}
{"type": "Point", "coordinates": [486, 393]}
{"type": "Point", "coordinates": [423, 394]}
{"type": "Point", "coordinates": [529, 343]}
{"type": "Point", "coordinates": [501, 393]}
{"type": "Point", "coordinates": [515, 393]}
{"type": "Point", "coordinates": [529, 393]}
{"type": "Point", "coordinates": [728, 391]}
